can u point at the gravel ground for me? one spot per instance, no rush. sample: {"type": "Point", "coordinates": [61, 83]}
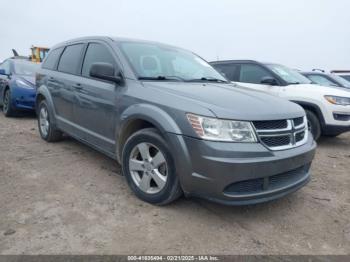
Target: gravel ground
{"type": "Point", "coordinates": [65, 198]}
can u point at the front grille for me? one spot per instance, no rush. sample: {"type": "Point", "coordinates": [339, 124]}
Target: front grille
{"type": "Point", "coordinates": [268, 183]}
{"type": "Point", "coordinates": [268, 125]}
{"type": "Point", "coordinates": [282, 134]}
{"type": "Point", "coordinates": [299, 136]}
{"type": "Point", "coordinates": [275, 141]}
{"type": "Point", "coordinates": [248, 186]}
{"type": "Point", "coordinates": [298, 121]}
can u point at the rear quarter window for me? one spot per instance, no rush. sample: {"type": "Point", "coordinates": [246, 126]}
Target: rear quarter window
{"type": "Point", "coordinates": [70, 59]}
{"type": "Point", "coordinates": [52, 59]}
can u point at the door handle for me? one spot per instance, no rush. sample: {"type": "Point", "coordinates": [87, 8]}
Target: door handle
{"type": "Point", "coordinates": [77, 86]}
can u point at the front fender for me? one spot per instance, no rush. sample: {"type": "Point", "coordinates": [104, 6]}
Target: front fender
{"type": "Point", "coordinates": [153, 114]}
{"type": "Point", "coordinates": [146, 112]}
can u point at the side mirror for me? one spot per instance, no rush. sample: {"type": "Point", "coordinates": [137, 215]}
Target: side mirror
{"type": "Point", "coordinates": [105, 71]}
{"type": "Point", "coordinates": [3, 72]}
{"type": "Point", "coordinates": [267, 80]}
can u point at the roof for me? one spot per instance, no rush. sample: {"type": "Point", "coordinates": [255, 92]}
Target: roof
{"type": "Point", "coordinates": [108, 39]}
{"type": "Point", "coordinates": [234, 61]}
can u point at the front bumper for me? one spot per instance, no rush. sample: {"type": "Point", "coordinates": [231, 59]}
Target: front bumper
{"type": "Point", "coordinates": [238, 173]}
{"type": "Point", "coordinates": [23, 98]}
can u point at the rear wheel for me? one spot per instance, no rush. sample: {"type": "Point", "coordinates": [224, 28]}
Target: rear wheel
{"type": "Point", "coordinates": [47, 130]}
{"type": "Point", "coordinates": [149, 168]}
{"type": "Point", "coordinates": [7, 107]}
{"type": "Point", "coordinates": [313, 124]}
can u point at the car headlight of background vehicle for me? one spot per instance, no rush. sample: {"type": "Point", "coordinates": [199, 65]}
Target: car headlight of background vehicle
{"type": "Point", "coordinates": [222, 130]}
{"type": "Point", "coordinates": [24, 84]}
{"type": "Point", "coordinates": [338, 100]}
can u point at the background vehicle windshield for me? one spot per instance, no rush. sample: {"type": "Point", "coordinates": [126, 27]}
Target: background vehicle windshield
{"type": "Point", "coordinates": [289, 75]}
{"type": "Point", "coordinates": [26, 68]}
{"type": "Point", "coordinates": [153, 60]}
{"type": "Point", "coordinates": [341, 80]}
{"type": "Point", "coordinates": [346, 77]}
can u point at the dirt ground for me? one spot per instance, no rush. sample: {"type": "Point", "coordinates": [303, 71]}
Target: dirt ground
{"type": "Point", "coordinates": [65, 198]}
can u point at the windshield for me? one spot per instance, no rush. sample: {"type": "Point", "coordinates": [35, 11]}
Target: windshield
{"type": "Point", "coordinates": [289, 75]}
{"type": "Point", "coordinates": [160, 62]}
{"type": "Point", "coordinates": [347, 77]}
{"type": "Point", "coordinates": [26, 68]}
{"type": "Point", "coordinates": [342, 81]}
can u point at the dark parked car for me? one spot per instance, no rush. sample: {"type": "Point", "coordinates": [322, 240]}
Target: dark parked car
{"type": "Point", "coordinates": [17, 86]}
{"type": "Point", "coordinates": [173, 122]}
{"type": "Point", "coordinates": [342, 73]}
{"type": "Point", "coordinates": [324, 79]}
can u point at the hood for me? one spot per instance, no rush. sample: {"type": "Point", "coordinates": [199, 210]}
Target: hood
{"type": "Point", "coordinates": [28, 79]}
{"type": "Point", "coordinates": [230, 101]}
{"type": "Point", "coordinates": [326, 90]}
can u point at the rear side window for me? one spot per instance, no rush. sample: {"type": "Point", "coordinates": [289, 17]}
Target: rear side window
{"type": "Point", "coordinates": [52, 59]}
{"type": "Point", "coordinates": [253, 74]}
{"type": "Point", "coordinates": [70, 59]}
{"type": "Point", "coordinates": [230, 71]}
{"type": "Point", "coordinates": [96, 53]}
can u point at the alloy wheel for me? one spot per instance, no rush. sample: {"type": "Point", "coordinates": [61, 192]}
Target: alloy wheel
{"type": "Point", "coordinates": [148, 168]}
{"type": "Point", "coordinates": [44, 121]}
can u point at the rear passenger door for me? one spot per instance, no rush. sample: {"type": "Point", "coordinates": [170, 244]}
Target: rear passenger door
{"type": "Point", "coordinates": [96, 100]}
{"type": "Point", "coordinates": [62, 84]}
{"type": "Point", "coordinates": [250, 76]}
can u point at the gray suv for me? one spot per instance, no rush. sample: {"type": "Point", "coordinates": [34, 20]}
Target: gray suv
{"type": "Point", "coordinates": [173, 122]}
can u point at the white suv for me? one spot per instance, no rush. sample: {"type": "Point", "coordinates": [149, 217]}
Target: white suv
{"type": "Point", "coordinates": [327, 108]}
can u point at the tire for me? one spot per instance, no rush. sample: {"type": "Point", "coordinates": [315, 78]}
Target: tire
{"type": "Point", "coordinates": [47, 130]}
{"type": "Point", "coordinates": [332, 135]}
{"type": "Point", "coordinates": [314, 124]}
{"type": "Point", "coordinates": [7, 107]}
{"type": "Point", "coordinates": [149, 168]}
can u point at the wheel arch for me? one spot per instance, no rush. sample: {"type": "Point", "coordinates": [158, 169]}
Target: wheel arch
{"type": "Point", "coordinates": [138, 117]}
{"type": "Point", "coordinates": [313, 108]}
{"type": "Point", "coordinates": [44, 94]}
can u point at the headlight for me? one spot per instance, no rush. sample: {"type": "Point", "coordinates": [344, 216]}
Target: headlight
{"type": "Point", "coordinates": [23, 84]}
{"type": "Point", "coordinates": [338, 100]}
{"type": "Point", "coordinates": [222, 130]}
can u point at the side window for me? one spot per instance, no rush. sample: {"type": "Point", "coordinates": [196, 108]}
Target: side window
{"type": "Point", "coordinates": [70, 59]}
{"type": "Point", "coordinates": [321, 80]}
{"type": "Point", "coordinates": [96, 53]}
{"type": "Point", "coordinates": [52, 59]}
{"type": "Point", "coordinates": [253, 74]}
{"type": "Point", "coordinates": [230, 71]}
{"type": "Point", "coordinates": [6, 66]}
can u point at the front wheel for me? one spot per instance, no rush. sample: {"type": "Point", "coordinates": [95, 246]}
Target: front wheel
{"type": "Point", "coordinates": [313, 124]}
{"type": "Point", "coordinates": [47, 130]}
{"type": "Point", "coordinates": [149, 168]}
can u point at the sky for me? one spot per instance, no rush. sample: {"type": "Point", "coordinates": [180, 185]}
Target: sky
{"type": "Point", "coordinates": [302, 34]}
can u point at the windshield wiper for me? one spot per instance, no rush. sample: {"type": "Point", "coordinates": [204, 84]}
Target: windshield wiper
{"type": "Point", "coordinates": [209, 79]}
{"type": "Point", "coordinates": [161, 78]}
{"type": "Point", "coordinates": [294, 83]}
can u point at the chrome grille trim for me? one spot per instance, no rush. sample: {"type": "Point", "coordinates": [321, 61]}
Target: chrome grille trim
{"type": "Point", "coordinates": [292, 131]}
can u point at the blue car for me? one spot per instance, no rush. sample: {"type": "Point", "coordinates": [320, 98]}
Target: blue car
{"type": "Point", "coordinates": [17, 86]}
